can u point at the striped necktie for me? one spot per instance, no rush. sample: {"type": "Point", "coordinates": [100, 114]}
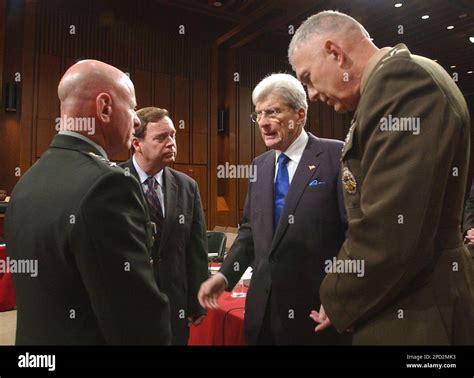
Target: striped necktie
{"type": "Point", "coordinates": [154, 205]}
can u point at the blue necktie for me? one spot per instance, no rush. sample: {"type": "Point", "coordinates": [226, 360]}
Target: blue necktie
{"type": "Point", "coordinates": [282, 184]}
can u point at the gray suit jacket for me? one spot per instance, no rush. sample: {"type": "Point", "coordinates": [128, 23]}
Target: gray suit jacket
{"type": "Point", "coordinates": [289, 264]}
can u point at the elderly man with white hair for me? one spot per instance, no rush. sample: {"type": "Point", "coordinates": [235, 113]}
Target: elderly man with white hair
{"type": "Point", "coordinates": [293, 223]}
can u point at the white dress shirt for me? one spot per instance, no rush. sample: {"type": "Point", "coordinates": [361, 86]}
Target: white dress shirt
{"type": "Point", "coordinates": [294, 153]}
{"type": "Point", "coordinates": [158, 177]}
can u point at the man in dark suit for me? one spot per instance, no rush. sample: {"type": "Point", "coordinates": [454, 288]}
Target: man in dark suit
{"type": "Point", "coordinates": [180, 250]}
{"type": "Point", "coordinates": [404, 172]}
{"type": "Point", "coordinates": [86, 224]}
{"type": "Point", "coordinates": [293, 222]}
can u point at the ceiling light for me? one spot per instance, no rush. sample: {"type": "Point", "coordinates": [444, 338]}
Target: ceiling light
{"type": "Point", "coordinates": [452, 66]}
{"type": "Point", "coordinates": [450, 27]}
{"type": "Point", "coordinates": [398, 5]}
{"type": "Point", "coordinates": [425, 17]}
{"type": "Point", "coordinates": [471, 39]}
{"type": "Point", "coordinates": [469, 72]}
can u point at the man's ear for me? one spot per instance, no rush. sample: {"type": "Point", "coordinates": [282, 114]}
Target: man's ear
{"type": "Point", "coordinates": [135, 144]}
{"type": "Point", "coordinates": [103, 104]}
{"type": "Point", "coordinates": [335, 51]}
{"type": "Point", "coordinates": [301, 113]}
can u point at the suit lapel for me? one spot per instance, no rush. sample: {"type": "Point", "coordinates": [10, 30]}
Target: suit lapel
{"type": "Point", "coordinates": [131, 168]}
{"type": "Point", "coordinates": [171, 202]}
{"type": "Point", "coordinates": [264, 199]}
{"type": "Point", "coordinates": [307, 168]}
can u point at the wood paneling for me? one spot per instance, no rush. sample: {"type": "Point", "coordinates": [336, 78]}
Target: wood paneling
{"type": "Point", "coordinates": [169, 70]}
{"type": "Point", "coordinates": [200, 123]}
{"type": "Point", "coordinates": [245, 139]}
{"type": "Point", "coordinates": [143, 88]}
{"type": "Point", "coordinates": [162, 91]}
{"type": "Point", "coordinates": [198, 173]}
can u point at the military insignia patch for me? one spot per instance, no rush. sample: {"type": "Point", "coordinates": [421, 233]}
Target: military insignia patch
{"type": "Point", "coordinates": [349, 181]}
{"type": "Point", "coordinates": [348, 136]}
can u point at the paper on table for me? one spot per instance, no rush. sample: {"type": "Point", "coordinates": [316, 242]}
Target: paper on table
{"type": "Point", "coordinates": [247, 276]}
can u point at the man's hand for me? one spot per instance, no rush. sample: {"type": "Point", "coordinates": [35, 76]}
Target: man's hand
{"type": "Point", "coordinates": [195, 320]}
{"type": "Point", "coordinates": [321, 318]}
{"type": "Point", "coordinates": [470, 236]}
{"type": "Point", "coordinates": [210, 291]}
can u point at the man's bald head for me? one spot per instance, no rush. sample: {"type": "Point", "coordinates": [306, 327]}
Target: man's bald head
{"type": "Point", "coordinates": [97, 90]}
{"type": "Point", "coordinates": [87, 78]}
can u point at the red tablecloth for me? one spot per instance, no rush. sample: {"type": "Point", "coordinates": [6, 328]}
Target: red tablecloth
{"type": "Point", "coordinates": [224, 326]}
{"type": "Point", "coordinates": [7, 295]}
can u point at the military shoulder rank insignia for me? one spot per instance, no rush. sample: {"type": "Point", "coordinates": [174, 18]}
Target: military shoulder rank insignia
{"type": "Point", "coordinates": [349, 181]}
{"type": "Point", "coordinates": [101, 158]}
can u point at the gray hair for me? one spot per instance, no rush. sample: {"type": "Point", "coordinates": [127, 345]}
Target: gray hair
{"type": "Point", "coordinates": [326, 22]}
{"type": "Point", "coordinates": [285, 86]}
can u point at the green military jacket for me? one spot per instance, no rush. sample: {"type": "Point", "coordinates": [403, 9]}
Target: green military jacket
{"type": "Point", "coordinates": [404, 170]}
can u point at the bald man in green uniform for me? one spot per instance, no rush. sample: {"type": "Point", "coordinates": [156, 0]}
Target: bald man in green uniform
{"type": "Point", "coordinates": [404, 170]}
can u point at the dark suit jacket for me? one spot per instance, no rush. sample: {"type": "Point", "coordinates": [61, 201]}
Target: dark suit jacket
{"type": "Point", "coordinates": [180, 264]}
{"type": "Point", "coordinates": [290, 265]}
{"type": "Point", "coordinates": [84, 221]}
{"type": "Point", "coordinates": [405, 212]}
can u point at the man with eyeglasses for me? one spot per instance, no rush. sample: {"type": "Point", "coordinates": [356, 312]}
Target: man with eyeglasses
{"type": "Point", "coordinates": [293, 223]}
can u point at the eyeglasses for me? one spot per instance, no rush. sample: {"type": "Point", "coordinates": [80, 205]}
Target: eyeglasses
{"type": "Point", "coordinates": [270, 113]}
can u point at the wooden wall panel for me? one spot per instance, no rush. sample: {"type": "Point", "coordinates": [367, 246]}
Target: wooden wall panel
{"type": "Point", "coordinates": [47, 102]}
{"type": "Point", "coordinates": [169, 71]}
{"type": "Point", "coordinates": [198, 173]}
{"type": "Point", "coordinates": [2, 41]}
{"type": "Point", "coordinates": [244, 139]}
{"type": "Point", "coordinates": [200, 122]}
{"type": "Point", "coordinates": [162, 91]}
{"type": "Point", "coordinates": [181, 117]}
{"type": "Point", "coordinates": [143, 88]}
{"type": "Point", "coordinates": [200, 148]}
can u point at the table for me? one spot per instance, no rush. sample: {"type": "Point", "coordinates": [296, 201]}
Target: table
{"type": "Point", "coordinates": [7, 294]}
{"type": "Point", "coordinates": [224, 326]}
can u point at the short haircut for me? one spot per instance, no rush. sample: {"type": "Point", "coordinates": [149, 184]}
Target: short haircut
{"type": "Point", "coordinates": [147, 115]}
{"type": "Point", "coordinates": [325, 22]}
{"type": "Point", "coordinates": [285, 86]}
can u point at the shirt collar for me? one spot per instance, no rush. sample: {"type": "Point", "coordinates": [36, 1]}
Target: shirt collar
{"type": "Point", "coordinates": [144, 176]}
{"type": "Point", "coordinates": [296, 149]}
{"type": "Point", "coordinates": [85, 139]}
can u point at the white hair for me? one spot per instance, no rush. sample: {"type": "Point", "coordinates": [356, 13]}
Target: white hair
{"type": "Point", "coordinates": [323, 23]}
{"type": "Point", "coordinates": [286, 87]}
